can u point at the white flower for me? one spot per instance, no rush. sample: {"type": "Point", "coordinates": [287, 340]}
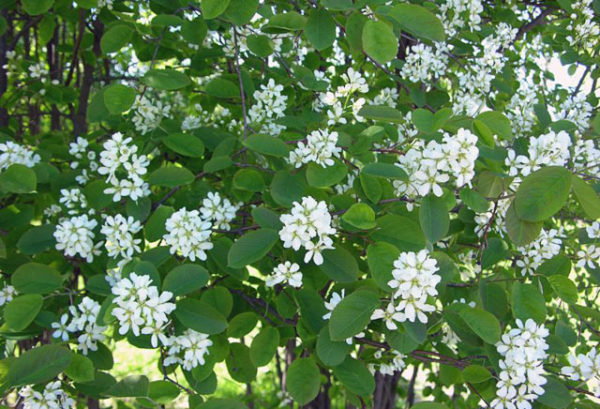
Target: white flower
{"type": "Point", "coordinates": [286, 273]}
{"type": "Point", "coordinates": [334, 300]}
{"type": "Point", "coordinates": [218, 210]}
{"type": "Point", "coordinates": [60, 328]}
{"type": "Point", "coordinates": [320, 148]}
{"type": "Point", "coordinates": [188, 349]}
{"type": "Point", "coordinates": [83, 322]}
{"type": "Point", "coordinates": [119, 233]}
{"type": "Point", "coordinates": [389, 315]}
{"type": "Point", "coordinates": [75, 236]}
{"type": "Point", "coordinates": [7, 293]}
{"type": "Point", "coordinates": [188, 235]}
{"type": "Point", "coordinates": [52, 397]}
{"type": "Point", "coordinates": [12, 153]}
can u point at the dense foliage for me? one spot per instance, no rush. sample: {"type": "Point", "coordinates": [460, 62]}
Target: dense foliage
{"type": "Point", "coordinates": [374, 203]}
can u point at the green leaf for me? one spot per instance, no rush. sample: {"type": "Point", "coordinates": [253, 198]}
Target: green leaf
{"type": "Point", "coordinates": [213, 8]}
{"type": "Point", "coordinates": [339, 265]}
{"type": "Point", "coordinates": [162, 392]}
{"type": "Point", "coordinates": [556, 395]}
{"type": "Point", "coordinates": [429, 405]}
{"type": "Point", "coordinates": [564, 288]}
{"type": "Point", "coordinates": [434, 218]}
{"type": "Point", "coordinates": [199, 316]}
{"type": "Point", "coordinates": [18, 179]}
{"type": "Point", "coordinates": [251, 247]}
{"type": "Point", "coordinates": [264, 346]}
{"type": "Point", "coordinates": [267, 145]}
{"type": "Point", "coordinates": [402, 232]}
{"type": "Point", "coordinates": [355, 376]}
{"type": "Point", "coordinates": [381, 257]}
{"type": "Point", "coordinates": [520, 231]}
{"type": "Point", "coordinates": [379, 41]}
{"type": "Point", "coordinates": [483, 323]}
{"type": "Point", "coordinates": [352, 314]}
{"type": "Point", "coordinates": [185, 279]}
{"type": "Point", "coordinates": [184, 144]}
{"type": "Point", "coordinates": [250, 180]}
{"type": "Point", "coordinates": [281, 23]}
{"type": "Point", "coordinates": [497, 122]}
{"type": "Point", "coordinates": [115, 38]}
{"type": "Point", "coordinates": [474, 200]}
{"type": "Point", "coordinates": [37, 239]}
{"type": "Point", "coordinates": [371, 187]}
{"type": "Point", "coordinates": [81, 369]}
{"type": "Point", "coordinates": [495, 251]}
{"type": "Point", "coordinates": [423, 120]}
{"type": "Point", "coordinates": [360, 215]}
{"type": "Point", "coordinates": [322, 177]}
{"type": "Point", "coordinates": [155, 226]}
{"type": "Point", "coordinates": [36, 278]}
{"type": "Point", "coordinates": [266, 218]}
{"type": "Point", "coordinates": [38, 365]}
{"type": "Point", "coordinates": [384, 170]}
{"type": "Point", "coordinates": [587, 197]}
{"type": "Point", "coordinates": [214, 403]}
{"type": "Point", "coordinates": [239, 365]}
{"type": "Point", "coordinates": [287, 188]}
{"type": "Point", "coordinates": [242, 324]}
{"type": "Point", "coordinates": [382, 113]}
{"type": "Point", "coordinates": [320, 29]}
{"type": "Point", "coordinates": [240, 12]}
{"type": "Point", "coordinates": [260, 45]}
{"type": "Point", "coordinates": [171, 176]}
{"type": "Point", "coordinates": [542, 193]}
{"type": "Point", "coordinates": [528, 302]}
{"type": "Point", "coordinates": [118, 98]}
{"type": "Point", "coordinates": [36, 7]}
{"type": "Point", "coordinates": [476, 374]}
{"type": "Point", "coordinates": [129, 387]}
{"type": "Point", "coordinates": [222, 88]}
{"type": "Point", "coordinates": [194, 31]}
{"type": "Point", "coordinates": [419, 21]}
{"type": "Point", "coordinates": [303, 380]}
{"type": "Point", "coordinates": [329, 352]}
{"type": "Point", "coordinates": [167, 79]}
{"type": "Point", "coordinates": [22, 310]}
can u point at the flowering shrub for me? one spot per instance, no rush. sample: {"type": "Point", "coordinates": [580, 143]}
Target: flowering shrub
{"type": "Point", "coordinates": [374, 204]}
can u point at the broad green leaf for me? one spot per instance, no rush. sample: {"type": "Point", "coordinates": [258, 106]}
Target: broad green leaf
{"type": "Point", "coordinates": [474, 200]}
{"type": "Point", "coordinates": [381, 257]}
{"type": "Point", "coordinates": [476, 374]}
{"type": "Point", "coordinates": [162, 392]}
{"type": "Point", "coordinates": [240, 12]}
{"type": "Point", "coordinates": [115, 38]}
{"type": "Point", "coordinates": [36, 278]}
{"type": "Point", "coordinates": [528, 302]}
{"type": "Point", "coordinates": [213, 8]}
{"type": "Point", "coordinates": [382, 113]}
{"type": "Point", "coordinates": [371, 187]}
{"type": "Point", "coordinates": [215, 403]}
{"type": "Point", "coordinates": [22, 310]}
{"type": "Point", "coordinates": [166, 79]}
{"type": "Point", "coordinates": [379, 41]}
{"type": "Point", "coordinates": [329, 352]}
{"type": "Point", "coordinates": [434, 218]}
{"type": "Point", "coordinates": [194, 31]}
{"type": "Point", "coordinates": [264, 346]}
{"type": "Point", "coordinates": [429, 405]}
{"type": "Point", "coordinates": [251, 247]}
{"type": "Point", "coordinates": [497, 122]}
{"type": "Point", "coordinates": [312, 309]}
{"type": "Point", "coordinates": [495, 251]}
{"type": "Point", "coordinates": [37, 239]}
{"type": "Point", "coordinates": [483, 323]}
{"type": "Point", "coordinates": [219, 298]}
{"type": "Point", "coordinates": [354, 27]}
{"type": "Point", "coordinates": [520, 231]}
{"type": "Point", "coordinates": [320, 29]}
{"type": "Point", "coordinates": [38, 365]}
{"type": "Point", "coordinates": [185, 279]}
{"type": "Point", "coordinates": [36, 7]}
{"type": "Point", "coordinates": [587, 197]}
{"type": "Point", "coordinates": [339, 265]}
{"type": "Point", "coordinates": [250, 180]}
{"type": "Point", "coordinates": [267, 145]}
{"type": "Point", "coordinates": [564, 288]}
{"type": "Point", "coordinates": [322, 177]}
{"type": "Point", "coordinates": [81, 369]}
{"type": "Point", "coordinates": [355, 376]}
{"type": "Point", "coordinates": [352, 314]}
{"type": "Point", "coordinates": [542, 193]}
{"type": "Point", "coordinates": [239, 365]}
{"type": "Point", "coordinates": [338, 5]}
{"type": "Point", "coordinates": [171, 176]}
{"type": "Point", "coordinates": [419, 21]}
{"type": "Point", "coordinates": [287, 188]}
{"type": "Point", "coordinates": [556, 395]}
{"type": "Point", "coordinates": [280, 23]}
{"type": "Point", "coordinates": [222, 88]}
{"type": "Point", "coordinates": [18, 179]}
{"type": "Point", "coordinates": [102, 357]}
{"type": "Point", "coordinates": [361, 216]}
{"type": "Point", "coordinates": [384, 170]}
{"type": "Point", "coordinates": [303, 380]}
{"type": "Point", "coordinates": [402, 232]}
{"type": "Point", "coordinates": [118, 98]}
{"type": "Point", "coordinates": [266, 218]}
{"type": "Point", "coordinates": [242, 324]}
{"type": "Point", "coordinates": [130, 386]}
{"type": "Point", "coordinates": [185, 144]}
{"type": "Point", "coordinates": [494, 299]}
{"type": "Point", "coordinates": [423, 120]}
{"type": "Point", "coordinates": [260, 45]}
{"type": "Point", "coordinates": [200, 316]}
{"type": "Point", "coordinates": [155, 226]}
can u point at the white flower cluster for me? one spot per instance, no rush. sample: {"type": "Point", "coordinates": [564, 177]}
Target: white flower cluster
{"type": "Point", "coordinates": [431, 165]}
{"type": "Point", "coordinates": [459, 14]}
{"type": "Point", "coordinates": [141, 308]}
{"type": "Point", "coordinates": [319, 148]}
{"type": "Point", "coordinates": [119, 232]}
{"type": "Point", "coordinates": [396, 363]}
{"type": "Point", "coordinates": [218, 210]}
{"type": "Point", "coordinates": [148, 114]}
{"type": "Point", "coordinates": [547, 245]}
{"type": "Point", "coordinates": [414, 280]}
{"type": "Point", "coordinates": [270, 104]}
{"type": "Point", "coordinates": [75, 236]}
{"type": "Point", "coordinates": [288, 273]}
{"type": "Point", "coordinates": [522, 372]}
{"type": "Point", "coordinates": [73, 199]}
{"type": "Point", "coordinates": [83, 321]}
{"type": "Point", "coordinates": [353, 83]}
{"type": "Point", "coordinates": [12, 153]}
{"type": "Point", "coordinates": [583, 25]}
{"type": "Point", "coordinates": [220, 116]}
{"type": "Point", "coordinates": [38, 71]}
{"type": "Point", "coordinates": [194, 346]}
{"type": "Point", "coordinates": [308, 226]}
{"type": "Point", "coordinates": [119, 154]}
{"type": "Point", "coordinates": [52, 397]}
{"type": "Point", "coordinates": [188, 234]}
{"type": "Point", "coordinates": [425, 63]}
{"type": "Point", "coordinates": [577, 110]}
{"type": "Point", "coordinates": [593, 231]}
{"type": "Point", "coordinates": [588, 257]}
{"type": "Point", "coordinates": [520, 110]}
{"type": "Point", "coordinates": [586, 157]}
{"type": "Point", "coordinates": [550, 149]}
{"type": "Point", "coordinates": [583, 368]}
{"type": "Point", "coordinates": [387, 96]}
{"type": "Point", "coordinates": [7, 293]}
